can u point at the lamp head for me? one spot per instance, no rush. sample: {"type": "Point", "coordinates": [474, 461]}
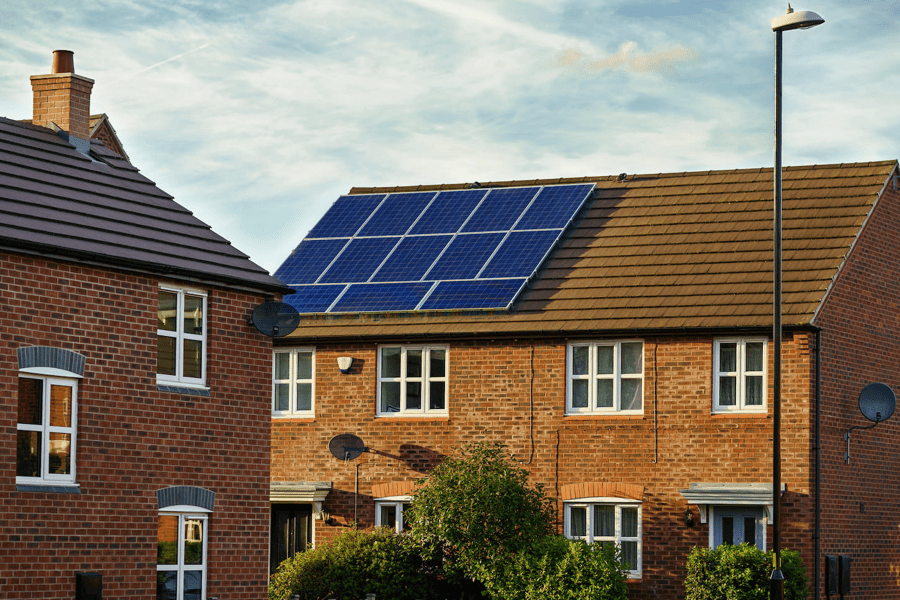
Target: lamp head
{"type": "Point", "coordinates": [803, 19]}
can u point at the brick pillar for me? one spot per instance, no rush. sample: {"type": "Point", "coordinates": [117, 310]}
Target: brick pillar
{"type": "Point", "coordinates": [63, 97]}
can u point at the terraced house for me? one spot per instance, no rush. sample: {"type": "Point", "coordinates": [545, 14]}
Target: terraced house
{"type": "Point", "coordinates": [616, 333]}
{"type": "Point", "coordinates": [134, 413]}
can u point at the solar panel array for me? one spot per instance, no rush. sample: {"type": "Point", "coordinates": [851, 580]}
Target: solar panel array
{"type": "Point", "coordinates": [450, 250]}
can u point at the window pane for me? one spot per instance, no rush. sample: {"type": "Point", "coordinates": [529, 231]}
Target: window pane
{"type": "Point", "coordinates": [755, 356]}
{"type": "Point", "coordinates": [60, 453]}
{"type": "Point", "coordinates": [413, 363]}
{"type": "Point", "coordinates": [390, 362]}
{"type": "Point", "coordinates": [578, 521]}
{"type": "Point", "coordinates": [727, 391]}
{"type": "Point", "coordinates": [580, 360]}
{"type": "Point", "coordinates": [192, 358]}
{"type": "Point", "coordinates": [282, 396]}
{"type": "Point", "coordinates": [388, 515]}
{"type": "Point", "coordinates": [605, 356]}
{"type": "Point", "coordinates": [304, 365]}
{"type": "Point", "coordinates": [193, 315]}
{"type": "Point", "coordinates": [750, 530]}
{"type": "Point", "coordinates": [165, 355]}
{"type": "Point", "coordinates": [31, 401]}
{"type": "Point", "coordinates": [167, 315]}
{"type": "Point", "coordinates": [60, 406]}
{"type": "Point", "coordinates": [437, 390]}
{"type": "Point", "coordinates": [630, 555]}
{"type": "Point", "coordinates": [167, 540]}
{"type": "Point", "coordinates": [282, 365]}
{"type": "Point", "coordinates": [632, 394]}
{"type": "Point", "coordinates": [579, 393]}
{"type": "Point", "coordinates": [437, 363]}
{"type": "Point", "coordinates": [604, 393]}
{"type": "Point", "coordinates": [193, 542]}
{"type": "Point", "coordinates": [728, 358]}
{"type": "Point", "coordinates": [604, 521]}
{"type": "Point", "coordinates": [629, 521]}
{"type": "Point", "coordinates": [390, 396]}
{"type": "Point", "coordinates": [413, 395]}
{"type": "Point", "coordinates": [728, 530]}
{"type": "Point", "coordinates": [166, 585]}
{"type": "Point", "coordinates": [193, 585]}
{"type": "Point", "coordinates": [304, 396]}
{"type": "Point", "coordinates": [754, 390]}
{"type": "Point", "coordinates": [632, 358]}
{"type": "Point", "coordinates": [28, 454]}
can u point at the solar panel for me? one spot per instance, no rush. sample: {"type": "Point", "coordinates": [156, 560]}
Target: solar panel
{"type": "Point", "coordinates": [472, 249]}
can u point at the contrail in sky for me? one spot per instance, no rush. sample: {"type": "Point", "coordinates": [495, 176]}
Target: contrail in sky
{"type": "Point", "coordinates": [176, 57]}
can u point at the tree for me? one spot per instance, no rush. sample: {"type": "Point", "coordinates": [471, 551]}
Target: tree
{"type": "Point", "coordinates": [477, 510]}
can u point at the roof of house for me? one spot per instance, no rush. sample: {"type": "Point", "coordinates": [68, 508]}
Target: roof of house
{"type": "Point", "coordinates": [78, 200]}
{"type": "Point", "coordinates": [666, 251]}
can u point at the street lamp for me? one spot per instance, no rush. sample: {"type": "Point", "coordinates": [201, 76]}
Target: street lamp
{"type": "Point", "coordinates": [791, 20]}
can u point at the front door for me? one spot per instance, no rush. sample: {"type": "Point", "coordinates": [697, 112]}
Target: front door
{"type": "Point", "coordinates": [291, 532]}
{"type": "Point", "coordinates": [738, 525]}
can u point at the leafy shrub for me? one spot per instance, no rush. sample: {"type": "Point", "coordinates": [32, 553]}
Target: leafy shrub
{"type": "Point", "coordinates": [560, 569]}
{"type": "Point", "coordinates": [742, 573]}
{"type": "Point", "coordinates": [355, 563]}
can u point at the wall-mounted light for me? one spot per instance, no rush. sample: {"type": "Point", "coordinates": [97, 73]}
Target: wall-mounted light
{"type": "Point", "coordinates": [688, 517]}
{"type": "Point", "coordinates": [344, 363]}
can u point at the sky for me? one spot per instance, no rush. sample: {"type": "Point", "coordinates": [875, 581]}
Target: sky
{"type": "Point", "coordinates": [257, 116]}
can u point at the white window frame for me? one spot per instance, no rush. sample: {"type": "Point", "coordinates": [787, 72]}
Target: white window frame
{"type": "Point", "coordinates": [398, 503]}
{"type": "Point", "coordinates": [740, 375]}
{"type": "Point", "coordinates": [426, 379]}
{"type": "Point", "coordinates": [292, 382]}
{"type": "Point", "coordinates": [180, 567]}
{"type": "Point", "coordinates": [592, 376]}
{"type": "Point", "coordinates": [619, 503]}
{"type": "Point", "coordinates": [180, 336]}
{"type": "Point", "coordinates": [45, 429]}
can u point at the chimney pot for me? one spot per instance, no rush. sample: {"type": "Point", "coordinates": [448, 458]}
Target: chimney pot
{"type": "Point", "coordinates": [63, 62]}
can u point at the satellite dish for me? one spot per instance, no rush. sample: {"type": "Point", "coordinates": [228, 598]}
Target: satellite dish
{"type": "Point", "coordinates": [877, 402]}
{"type": "Point", "coordinates": [346, 446]}
{"type": "Point", "coordinates": [275, 319]}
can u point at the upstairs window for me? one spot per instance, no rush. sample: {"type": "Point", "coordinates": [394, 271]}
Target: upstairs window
{"type": "Point", "coordinates": [293, 387]}
{"type": "Point", "coordinates": [181, 337]}
{"type": "Point", "coordinates": [607, 521]}
{"type": "Point", "coordinates": [412, 381]}
{"type": "Point", "coordinates": [45, 430]}
{"type": "Point", "coordinates": [605, 377]}
{"type": "Point", "coordinates": [739, 375]}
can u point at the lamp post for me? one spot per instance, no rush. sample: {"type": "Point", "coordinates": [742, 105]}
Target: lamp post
{"type": "Point", "coordinates": [791, 20]}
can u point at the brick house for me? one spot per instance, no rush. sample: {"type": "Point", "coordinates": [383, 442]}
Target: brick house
{"type": "Point", "coordinates": [136, 415]}
{"type": "Point", "coordinates": [629, 369]}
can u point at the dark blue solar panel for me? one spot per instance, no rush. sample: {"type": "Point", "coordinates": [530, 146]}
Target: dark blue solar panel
{"type": "Point", "coordinates": [308, 260]}
{"type": "Point", "coordinates": [555, 206]}
{"type": "Point", "coordinates": [448, 211]}
{"type": "Point", "coordinates": [474, 294]}
{"type": "Point", "coordinates": [346, 216]}
{"type": "Point", "coordinates": [465, 256]}
{"type": "Point", "coordinates": [412, 258]}
{"type": "Point", "coordinates": [314, 298]}
{"type": "Point", "coordinates": [520, 254]}
{"type": "Point", "coordinates": [359, 260]}
{"type": "Point", "coordinates": [397, 213]}
{"type": "Point", "coordinates": [379, 297]}
{"type": "Point", "coordinates": [500, 209]}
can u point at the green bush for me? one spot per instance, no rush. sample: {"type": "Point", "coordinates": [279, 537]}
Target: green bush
{"type": "Point", "coordinates": [741, 573]}
{"type": "Point", "coordinates": [560, 569]}
{"type": "Point", "coordinates": [355, 563]}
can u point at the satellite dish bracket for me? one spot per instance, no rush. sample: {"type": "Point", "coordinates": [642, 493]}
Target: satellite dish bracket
{"type": "Point", "coordinates": [877, 403]}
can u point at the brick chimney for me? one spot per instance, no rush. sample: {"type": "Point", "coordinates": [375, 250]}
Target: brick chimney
{"type": "Point", "coordinates": [63, 97]}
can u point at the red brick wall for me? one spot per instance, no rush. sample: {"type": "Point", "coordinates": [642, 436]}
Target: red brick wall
{"type": "Point", "coordinates": [861, 345]}
{"type": "Point", "coordinates": [514, 392]}
{"type": "Point", "coordinates": [64, 99]}
{"type": "Point", "coordinates": [132, 439]}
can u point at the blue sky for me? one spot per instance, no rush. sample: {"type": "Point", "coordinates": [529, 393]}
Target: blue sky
{"type": "Point", "coordinates": [257, 116]}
